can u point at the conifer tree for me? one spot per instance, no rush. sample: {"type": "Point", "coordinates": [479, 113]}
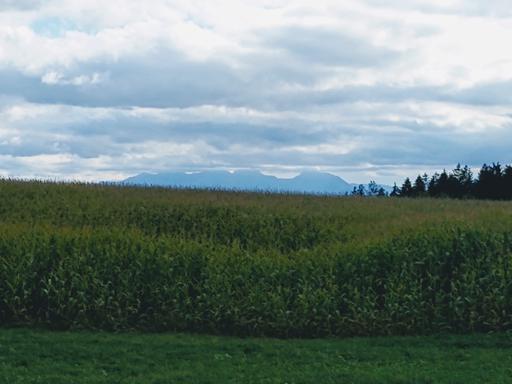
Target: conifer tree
{"type": "Point", "coordinates": [419, 187]}
{"type": "Point", "coordinates": [406, 190]}
{"type": "Point", "coordinates": [395, 192]}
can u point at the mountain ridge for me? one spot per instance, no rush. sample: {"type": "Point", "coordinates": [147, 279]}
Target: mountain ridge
{"type": "Point", "coordinates": [249, 180]}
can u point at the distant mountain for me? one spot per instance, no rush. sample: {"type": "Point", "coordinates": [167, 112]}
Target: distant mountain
{"type": "Point", "coordinates": [306, 182]}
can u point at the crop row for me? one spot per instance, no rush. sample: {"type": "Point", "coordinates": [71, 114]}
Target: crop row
{"type": "Point", "coordinates": [431, 280]}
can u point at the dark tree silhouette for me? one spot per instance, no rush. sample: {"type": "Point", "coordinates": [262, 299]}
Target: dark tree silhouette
{"type": "Point", "coordinates": [507, 182]}
{"type": "Point", "coordinates": [360, 190]}
{"type": "Point", "coordinates": [373, 188]}
{"type": "Point", "coordinates": [395, 192]}
{"type": "Point", "coordinates": [490, 183]}
{"type": "Point", "coordinates": [419, 188]}
{"type": "Point", "coordinates": [463, 181]}
{"type": "Point", "coordinates": [406, 190]}
{"type": "Point", "coordinates": [493, 182]}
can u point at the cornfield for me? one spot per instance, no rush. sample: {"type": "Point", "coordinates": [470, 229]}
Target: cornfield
{"type": "Point", "coordinates": [117, 258]}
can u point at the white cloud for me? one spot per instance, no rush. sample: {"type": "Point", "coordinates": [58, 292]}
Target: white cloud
{"type": "Point", "coordinates": [107, 88]}
{"type": "Point", "coordinates": [55, 78]}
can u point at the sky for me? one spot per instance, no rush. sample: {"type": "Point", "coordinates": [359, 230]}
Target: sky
{"type": "Point", "coordinates": [365, 89]}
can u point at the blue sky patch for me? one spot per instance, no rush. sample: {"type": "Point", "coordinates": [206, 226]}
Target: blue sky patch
{"type": "Point", "coordinates": [55, 27]}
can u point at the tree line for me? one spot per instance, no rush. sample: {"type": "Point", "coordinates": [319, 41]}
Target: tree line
{"type": "Point", "coordinates": [492, 182]}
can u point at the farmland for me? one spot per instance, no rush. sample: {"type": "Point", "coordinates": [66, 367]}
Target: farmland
{"type": "Point", "coordinates": [37, 356]}
{"type": "Point", "coordinates": [76, 256]}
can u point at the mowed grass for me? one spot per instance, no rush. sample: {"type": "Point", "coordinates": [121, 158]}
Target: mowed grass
{"type": "Point", "coordinates": [35, 356]}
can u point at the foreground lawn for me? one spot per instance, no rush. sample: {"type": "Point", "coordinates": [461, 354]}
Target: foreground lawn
{"type": "Point", "coordinates": [28, 356]}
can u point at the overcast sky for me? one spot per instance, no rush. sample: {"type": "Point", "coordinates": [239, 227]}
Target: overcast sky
{"type": "Point", "coordinates": [366, 89]}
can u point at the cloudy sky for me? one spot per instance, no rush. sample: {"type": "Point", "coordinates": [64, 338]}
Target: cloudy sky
{"type": "Point", "coordinates": [366, 89]}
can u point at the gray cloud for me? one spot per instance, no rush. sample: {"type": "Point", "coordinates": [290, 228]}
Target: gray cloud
{"type": "Point", "coordinates": [157, 81]}
{"type": "Point", "coordinates": [158, 84]}
{"type": "Point", "coordinates": [329, 47]}
{"type": "Point", "coordinates": [158, 144]}
{"type": "Point", "coordinates": [362, 90]}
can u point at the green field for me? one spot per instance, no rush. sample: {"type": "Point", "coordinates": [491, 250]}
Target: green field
{"type": "Point", "coordinates": [78, 260]}
{"type": "Point", "coordinates": [29, 357]}
{"type": "Point", "coordinates": [113, 258]}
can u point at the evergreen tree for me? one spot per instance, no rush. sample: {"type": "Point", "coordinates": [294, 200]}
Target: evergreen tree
{"type": "Point", "coordinates": [490, 182]}
{"type": "Point", "coordinates": [419, 187]}
{"type": "Point", "coordinates": [493, 182]}
{"type": "Point", "coordinates": [425, 180]}
{"type": "Point", "coordinates": [460, 182]}
{"type": "Point", "coordinates": [395, 192]}
{"type": "Point", "coordinates": [406, 190]}
{"type": "Point", "coordinates": [443, 184]}
{"type": "Point", "coordinates": [360, 190]}
{"type": "Point", "coordinates": [466, 181]}
{"type": "Point", "coordinates": [373, 188]}
{"type": "Point", "coordinates": [433, 189]}
{"type": "Point", "coordinates": [507, 182]}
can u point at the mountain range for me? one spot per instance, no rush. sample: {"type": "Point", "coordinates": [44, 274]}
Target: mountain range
{"type": "Point", "coordinates": [306, 182]}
